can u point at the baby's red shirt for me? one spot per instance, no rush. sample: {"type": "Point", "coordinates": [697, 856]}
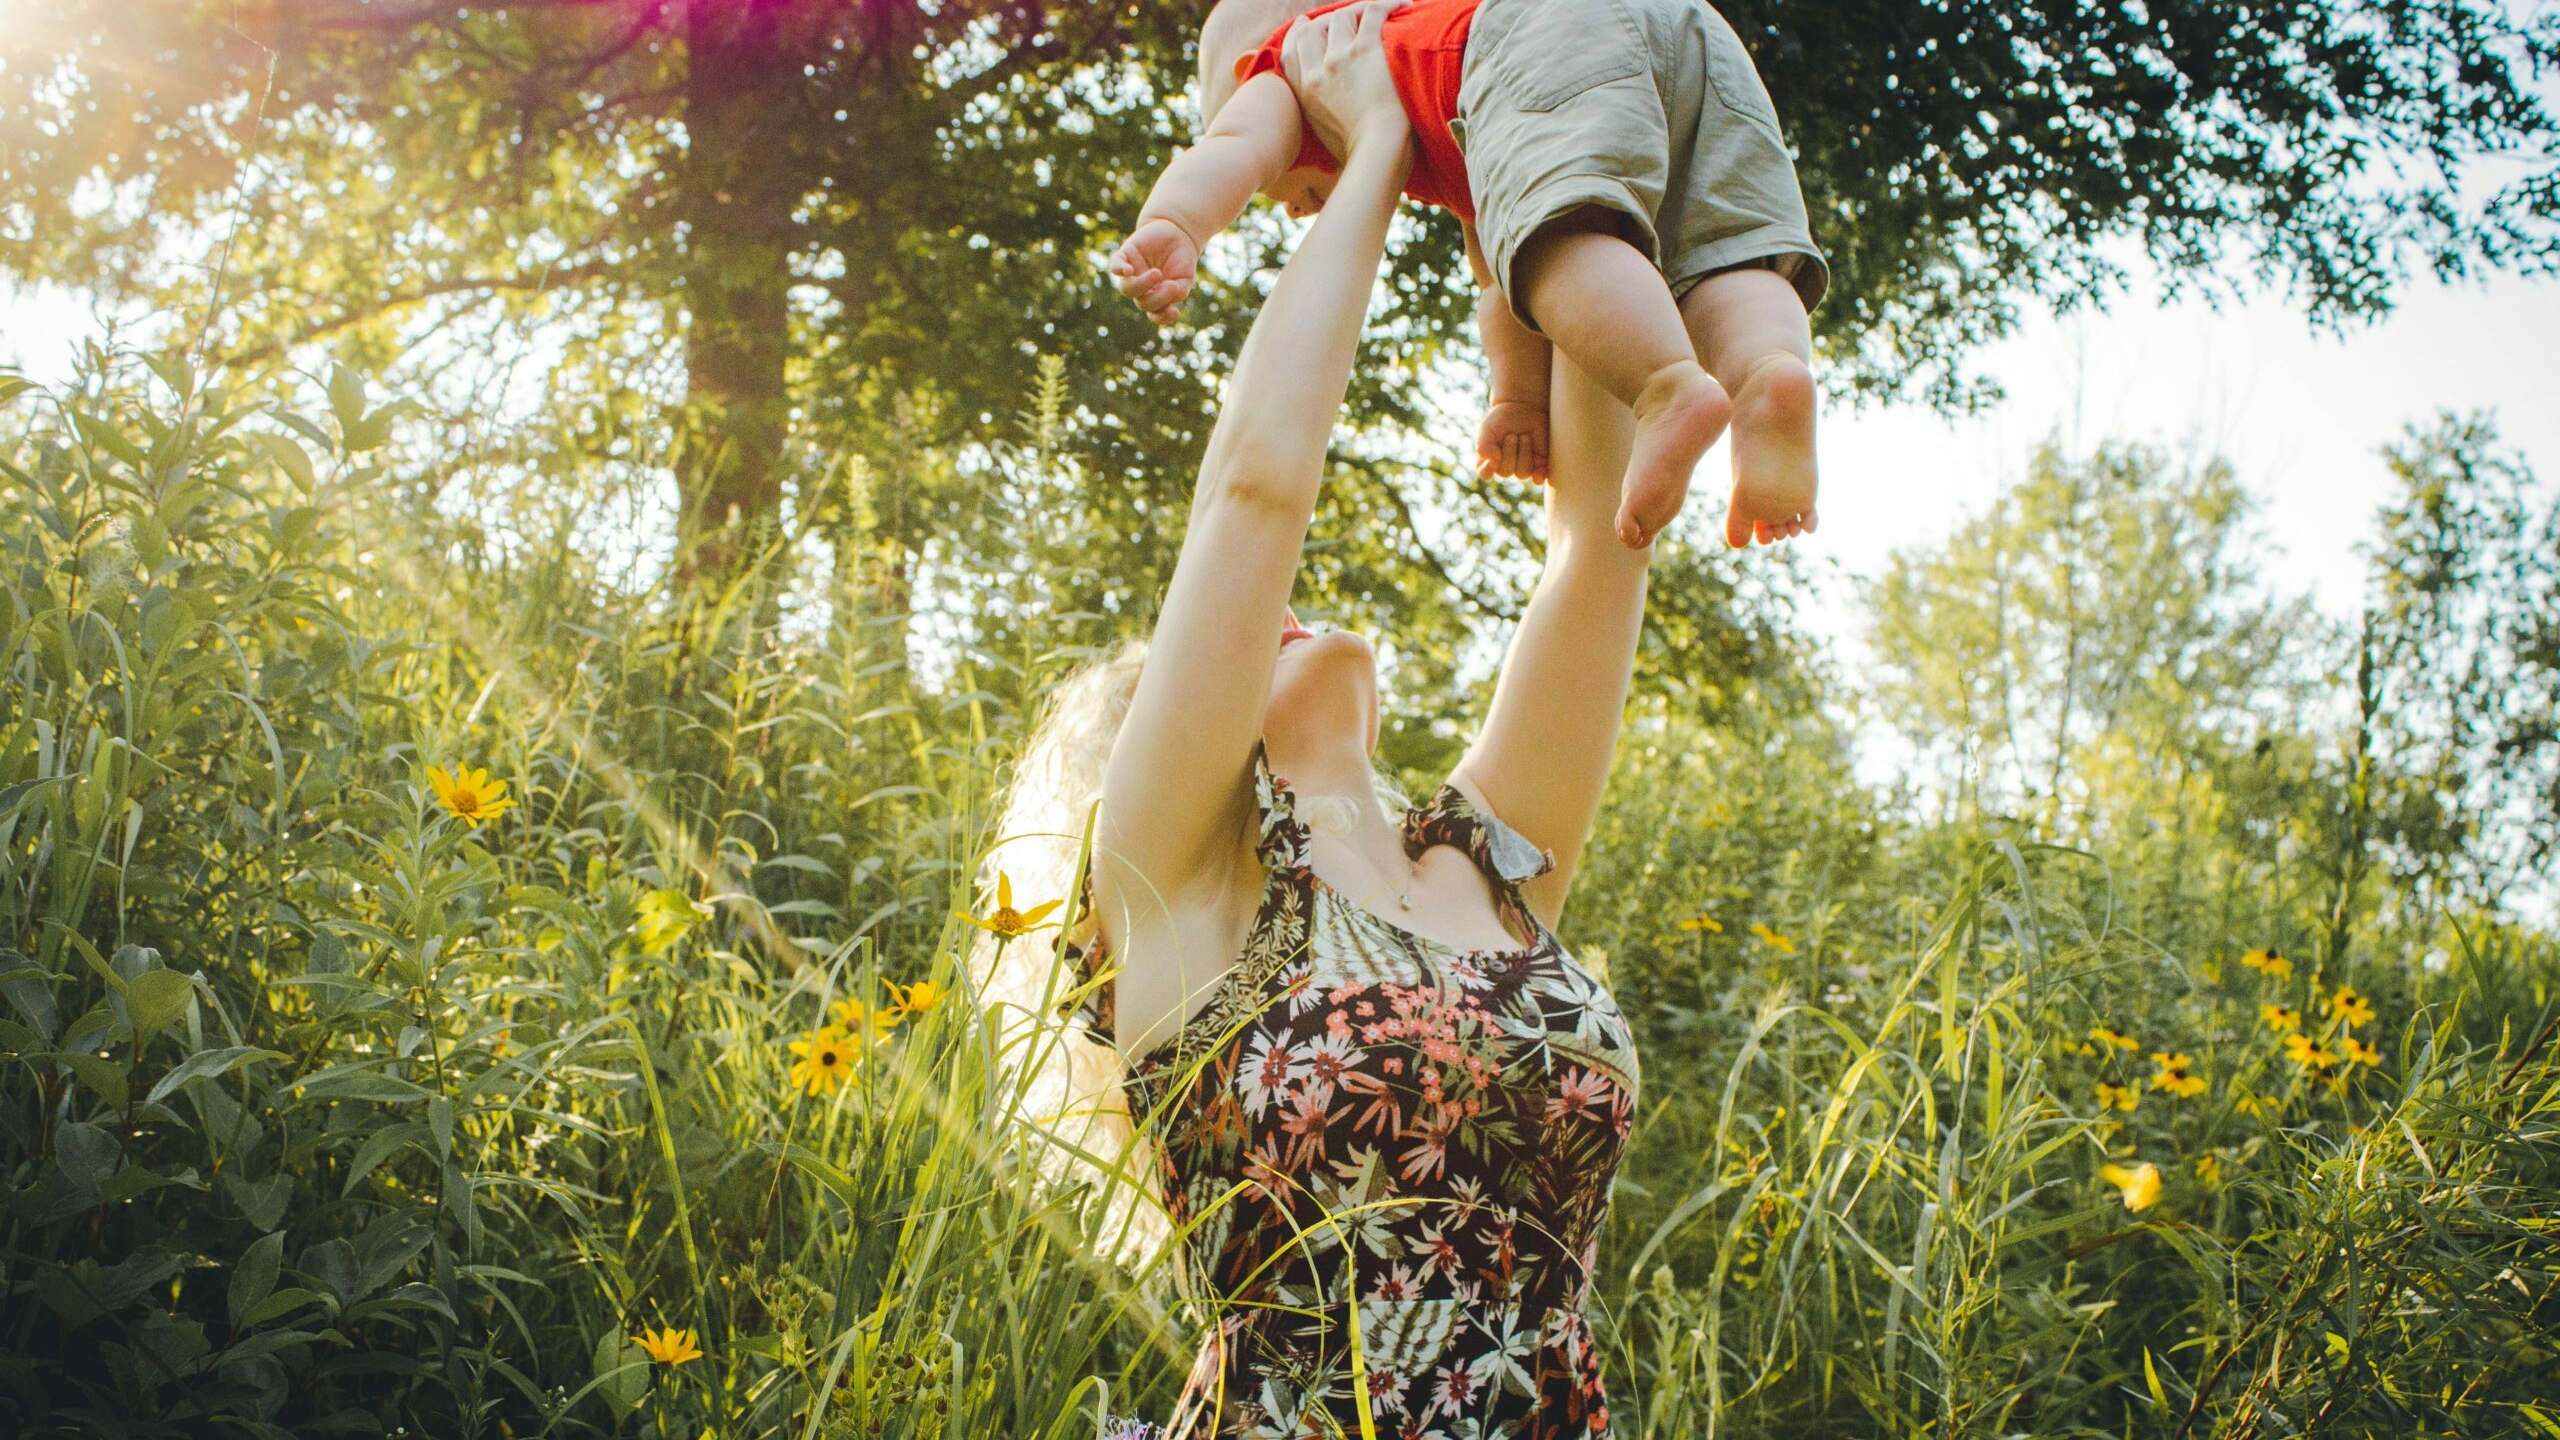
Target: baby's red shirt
{"type": "Point", "coordinates": [1427, 53]}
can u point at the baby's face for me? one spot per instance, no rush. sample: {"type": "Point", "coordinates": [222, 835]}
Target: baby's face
{"type": "Point", "coordinates": [1302, 191]}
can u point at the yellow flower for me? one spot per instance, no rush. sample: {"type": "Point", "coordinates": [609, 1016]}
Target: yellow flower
{"type": "Point", "coordinates": [2306, 1052]}
{"type": "Point", "coordinates": [2256, 1105]}
{"type": "Point", "coordinates": [1773, 939]}
{"type": "Point", "coordinates": [665, 917]}
{"type": "Point", "coordinates": [2268, 961]}
{"type": "Point", "coordinates": [2118, 1097]}
{"type": "Point", "coordinates": [2176, 1075]}
{"type": "Point", "coordinates": [2282, 1019]}
{"type": "Point", "coordinates": [1005, 922]}
{"type": "Point", "coordinates": [2209, 1169]}
{"type": "Point", "coordinates": [918, 998]}
{"type": "Point", "coordinates": [2140, 1185]}
{"type": "Point", "coordinates": [2357, 1052]}
{"type": "Point", "coordinates": [2106, 1036]}
{"type": "Point", "coordinates": [470, 795]}
{"type": "Point", "coordinates": [826, 1060]}
{"type": "Point", "coordinates": [2349, 1008]}
{"type": "Point", "coordinates": [670, 1346]}
{"type": "Point", "coordinates": [1703, 921]}
{"type": "Point", "coordinates": [853, 1017]}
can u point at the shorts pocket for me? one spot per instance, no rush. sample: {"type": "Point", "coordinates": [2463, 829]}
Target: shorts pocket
{"type": "Point", "coordinates": [1731, 75]}
{"type": "Point", "coordinates": [1561, 48]}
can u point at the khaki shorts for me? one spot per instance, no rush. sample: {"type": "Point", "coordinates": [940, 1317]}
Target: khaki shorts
{"type": "Point", "coordinates": [1650, 108]}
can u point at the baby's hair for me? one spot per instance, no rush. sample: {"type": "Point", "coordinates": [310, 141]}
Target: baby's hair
{"type": "Point", "coordinates": [1234, 29]}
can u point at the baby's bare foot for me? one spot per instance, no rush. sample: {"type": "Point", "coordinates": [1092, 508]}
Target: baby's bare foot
{"type": "Point", "coordinates": [1679, 413]}
{"type": "Point", "coordinates": [1773, 466]}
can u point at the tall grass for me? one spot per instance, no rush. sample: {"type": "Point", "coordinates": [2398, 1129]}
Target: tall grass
{"type": "Point", "coordinates": [329, 1111]}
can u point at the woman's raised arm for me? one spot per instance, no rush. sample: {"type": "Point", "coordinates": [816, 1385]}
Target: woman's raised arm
{"type": "Point", "coordinates": [1177, 791]}
{"type": "Point", "coordinates": [1542, 759]}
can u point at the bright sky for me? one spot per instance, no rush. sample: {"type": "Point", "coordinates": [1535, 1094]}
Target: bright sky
{"type": "Point", "coordinates": [2300, 415]}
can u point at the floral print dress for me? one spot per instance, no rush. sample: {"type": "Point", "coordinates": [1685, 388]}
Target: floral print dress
{"type": "Point", "coordinates": [1360, 1111]}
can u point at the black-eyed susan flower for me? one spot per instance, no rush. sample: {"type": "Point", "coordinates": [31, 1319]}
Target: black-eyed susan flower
{"type": "Point", "coordinates": [2256, 1105]}
{"type": "Point", "coordinates": [2209, 1169]}
{"type": "Point", "coordinates": [670, 1346]}
{"type": "Point", "coordinates": [2356, 1052]}
{"type": "Point", "coordinates": [918, 998]}
{"type": "Point", "coordinates": [2268, 962]}
{"type": "Point", "coordinates": [2176, 1074]}
{"type": "Point", "coordinates": [2108, 1035]}
{"type": "Point", "coordinates": [1772, 939]}
{"type": "Point", "coordinates": [2349, 1008]}
{"type": "Point", "coordinates": [826, 1060]}
{"type": "Point", "coordinates": [1703, 922]}
{"type": "Point", "coordinates": [1006, 923]}
{"type": "Point", "coordinates": [2282, 1019]}
{"type": "Point", "coordinates": [2118, 1097]}
{"type": "Point", "coordinates": [2308, 1053]}
{"type": "Point", "coordinates": [2139, 1186]}
{"type": "Point", "coordinates": [853, 1017]}
{"type": "Point", "coordinates": [469, 795]}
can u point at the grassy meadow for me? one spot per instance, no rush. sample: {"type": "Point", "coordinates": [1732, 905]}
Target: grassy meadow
{"type": "Point", "coordinates": [452, 991]}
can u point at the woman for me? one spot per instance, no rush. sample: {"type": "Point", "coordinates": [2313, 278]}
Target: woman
{"type": "Point", "coordinates": [1366, 1065]}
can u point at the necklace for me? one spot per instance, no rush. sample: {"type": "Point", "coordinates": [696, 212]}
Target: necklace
{"type": "Point", "coordinates": [1404, 894]}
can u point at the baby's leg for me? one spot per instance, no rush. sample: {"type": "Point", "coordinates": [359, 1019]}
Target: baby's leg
{"type": "Point", "coordinates": [1606, 306]}
{"type": "Point", "coordinates": [1750, 328]}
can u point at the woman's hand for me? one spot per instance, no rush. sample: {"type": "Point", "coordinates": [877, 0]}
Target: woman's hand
{"type": "Point", "coordinates": [1338, 67]}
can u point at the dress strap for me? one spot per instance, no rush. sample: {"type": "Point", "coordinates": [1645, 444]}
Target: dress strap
{"type": "Point", "coordinates": [1284, 842]}
{"type": "Point", "coordinates": [1449, 818]}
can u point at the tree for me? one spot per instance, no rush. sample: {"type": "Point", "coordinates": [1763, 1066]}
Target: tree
{"type": "Point", "coordinates": [750, 237]}
{"type": "Point", "coordinates": [2105, 603]}
{"type": "Point", "coordinates": [2460, 720]}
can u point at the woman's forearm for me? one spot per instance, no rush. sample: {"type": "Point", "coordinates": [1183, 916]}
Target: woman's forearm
{"type": "Point", "coordinates": [1290, 381]}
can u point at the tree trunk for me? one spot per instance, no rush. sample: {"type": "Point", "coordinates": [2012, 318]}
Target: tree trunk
{"type": "Point", "coordinates": [740, 186]}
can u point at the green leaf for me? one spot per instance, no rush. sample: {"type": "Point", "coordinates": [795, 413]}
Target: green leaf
{"type": "Point", "coordinates": [2549, 1426]}
{"type": "Point", "coordinates": [134, 1180]}
{"type": "Point", "coordinates": [99, 1073]}
{"type": "Point", "coordinates": [206, 1065]}
{"type": "Point", "coordinates": [381, 1145]}
{"type": "Point", "coordinates": [86, 1153]}
{"type": "Point", "coordinates": [622, 1373]}
{"type": "Point", "coordinates": [254, 1278]}
{"type": "Point", "coordinates": [154, 1000]}
{"type": "Point", "coordinates": [283, 1302]}
{"type": "Point", "coordinates": [262, 1201]}
{"type": "Point", "coordinates": [440, 1121]}
{"type": "Point", "coordinates": [291, 458]}
{"type": "Point", "coordinates": [346, 396]}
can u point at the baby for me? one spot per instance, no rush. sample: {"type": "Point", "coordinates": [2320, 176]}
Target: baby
{"type": "Point", "coordinates": [1619, 172]}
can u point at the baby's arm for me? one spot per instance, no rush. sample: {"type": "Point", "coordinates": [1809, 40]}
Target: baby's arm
{"type": "Point", "coordinates": [1252, 141]}
{"type": "Point", "coordinates": [1514, 438]}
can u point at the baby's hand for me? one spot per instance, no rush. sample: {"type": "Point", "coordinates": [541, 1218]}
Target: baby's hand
{"type": "Point", "coordinates": [1156, 267]}
{"type": "Point", "coordinates": [1513, 441]}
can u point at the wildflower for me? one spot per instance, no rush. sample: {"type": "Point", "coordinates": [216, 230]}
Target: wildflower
{"type": "Point", "coordinates": [665, 917]}
{"type": "Point", "coordinates": [2118, 1097]}
{"type": "Point", "coordinates": [470, 795]}
{"type": "Point", "coordinates": [918, 998]}
{"type": "Point", "coordinates": [670, 1346]}
{"type": "Point", "coordinates": [1005, 922]}
{"type": "Point", "coordinates": [826, 1060]}
{"type": "Point", "coordinates": [1703, 921]}
{"type": "Point", "coordinates": [2106, 1035]}
{"type": "Point", "coordinates": [2209, 1169]}
{"type": "Point", "coordinates": [2349, 1008]}
{"type": "Point", "coordinates": [2177, 1075]}
{"type": "Point", "coordinates": [2282, 1019]}
{"type": "Point", "coordinates": [2306, 1052]}
{"type": "Point", "coordinates": [1773, 939]}
{"type": "Point", "coordinates": [2268, 962]}
{"type": "Point", "coordinates": [2140, 1185]}
{"type": "Point", "coordinates": [2256, 1105]}
{"type": "Point", "coordinates": [2357, 1052]}
{"type": "Point", "coordinates": [871, 1022]}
